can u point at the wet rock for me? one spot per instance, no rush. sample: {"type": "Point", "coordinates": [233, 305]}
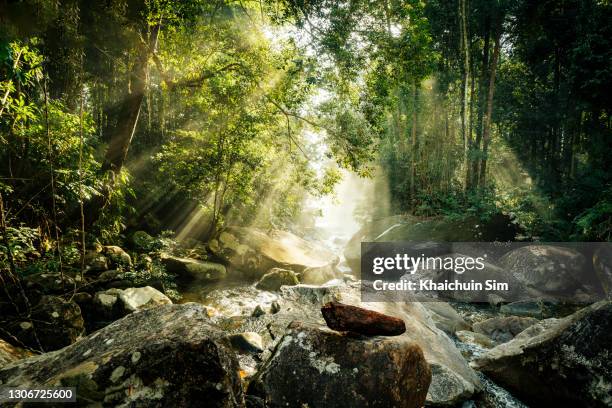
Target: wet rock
{"type": "Point", "coordinates": [188, 269]}
{"type": "Point", "coordinates": [358, 320]}
{"type": "Point", "coordinates": [9, 353]}
{"type": "Point", "coordinates": [254, 251]}
{"type": "Point", "coordinates": [319, 275]}
{"type": "Point", "coordinates": [475, 338]}
{"type": "Point", "coordinates": [249, 342]}
{"type": "Point", "coordinates": [504, 328]}
{"type": "Point", "coordinates": [117, 256]}
{"type": "Point", "coordinates": [564, 364]}
{"type": "Point", "coordinates": [172, 357]}
{"type": "Point", "coordinates": [313, 366]}
{"type": "Point", "coordinates": [446, 317]}
{"type": "Point", "coordinates": [546, 268]}
{"type": "Point", "coordinates": [453, 381]}
{"type": "Point", "coordinates": [276, 278]}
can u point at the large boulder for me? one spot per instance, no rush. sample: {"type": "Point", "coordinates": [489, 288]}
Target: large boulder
{"type": "Point", "coordinates": [170, 356]}
{"type": "Point", "coordinates": [546, 268]}
{"type": "Point", "coordinates": [254, 251]}
{"type": "Point", "coordinates": [314, 366]}
{"type": "Point", "coordinates": [437, 230]}
{"type": "Point", "coordinates": [453, 381]}
{"type": "Point", "coordinates": [559, 362]}
{"type": "Point", "coordinates": [188, 269]}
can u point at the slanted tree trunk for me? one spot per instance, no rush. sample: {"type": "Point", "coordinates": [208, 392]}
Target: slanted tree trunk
{"type": "Point", "coordinates": [129, 109]}
{"type": "Point", "coordinates": [486, 129]}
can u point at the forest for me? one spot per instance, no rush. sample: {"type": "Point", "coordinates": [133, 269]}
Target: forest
{"type": "Point", "coordinates": [153, 143]}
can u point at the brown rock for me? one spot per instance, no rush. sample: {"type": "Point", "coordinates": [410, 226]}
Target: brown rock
{"type": "Point", "coordinates": [342, 317]}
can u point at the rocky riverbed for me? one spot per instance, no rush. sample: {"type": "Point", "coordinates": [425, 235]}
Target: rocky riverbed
{"type": "Point", "coordinates": [249, 332]}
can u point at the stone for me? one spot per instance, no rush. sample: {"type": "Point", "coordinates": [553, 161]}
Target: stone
{"type": "Point", "coordinates": [437, 231]}
{"type": "Point", "coordinates": [275, 278]}
{"type": "Point", "coordinates": [562, 362]}
{"type": "Point", "coordinates": [143, 241]}
{"type": "Point", "coordinates": [188, 269]}
{"type": "Point", "coordinates": [115, 303]}
{"type": "Point", "coordinates": [50, 283]}
{"type": "Point", "coordinates": [546, 268]}
{"type": "Point", "coordinates": [475, 338]}
{"type": "Point", "coordinates": [359, 320]}
{"type": "Point", "coordinates": [319, 275]}
{"type": "Point", "coordinates": [446, 317]}
{"type": "Point", "coordinates": [160, 357]}
{"type": "Point", "coordinates": [95, 261]}
{"type": "Point", "coordinates": [313, 366]}
{"type": "Point", "coordinates": [55, 323]}
{"type": "Point", "coordinates": [254, 252]}
{"type": "Point", "coordinates": [503, 328]}
{"type": "Point", "coordinates": [453, 381]}
{"type": "Point", "coordinates": [117, 256]}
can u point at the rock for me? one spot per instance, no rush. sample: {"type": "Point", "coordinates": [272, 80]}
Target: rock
{"type": "Point", "coordinates": [168, 356]}
{"type": "Point", "coordinates": [453, 381]}
{"type": "Point", "coordinates": [258, 311]}
{"type": "Point", "coordinates": [319, 275]}
{"type": "Point", "coordinates": [249, 342]}
{"type": "Point", "coordinates": [526, 308]}
{"type": "Point", "coordinates": [50, 283]}
{"type": "Point", "coordinates": [254, 251]}
{"type": "Point", "coordinates": [95, 261]}
{"type": "Point", "coordinates": [188, 269]}
{"type": "Point", "coordinates": [117, 256]}
{"type": "Point", "coordinates": [142, 298]}
{"type": "Point", "coordinates": [313, 366]}
{"type": "Point", "coordinates": [546, 268]}
{"type": "Point", "coordinates": [566, 363]}
{"type": "Point", "coordinates": [113, 304]}
{"type": "Point", "coordinates": [602, 263]}
{"type": "Point", "coordinates": [434, 230]}
{"type": "Point", "coordinates": [143, 241]}
{"type": "Point", "coordinates": [276, 278]}
{"type": "Point", "coordinates": [503, 329]}
{"type": "Point", "coordinates": [9, 353]}
{"type": "Point", "coordinates": [477, 339]}
{"type": "Point", "coordinates": [446, 317]}
{"type": "Point", "coordinates": [275, 307]}
{"type": "Point", "coordinates": [55, 323]}
{"type": "Point", "coordinates": [358, 320]}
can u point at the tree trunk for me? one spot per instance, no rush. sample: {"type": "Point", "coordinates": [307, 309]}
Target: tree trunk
{"type": "Point", "coordinates": [465, 85]}
{"type": "Point", "coordinates": [129, 109]}
{"type": "Point", "coordinates": [415, 100]}
{"type": "Point", "coordinates": [486, 130]}
{"type": "Point", "coordinates": [482, 93]}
